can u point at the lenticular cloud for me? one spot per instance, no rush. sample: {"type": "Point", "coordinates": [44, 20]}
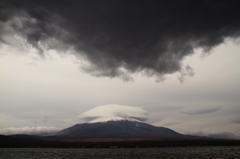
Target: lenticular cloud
{"type": "Point", "coordinates": [114, 112]}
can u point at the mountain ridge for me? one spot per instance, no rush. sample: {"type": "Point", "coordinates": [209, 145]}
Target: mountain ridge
{"type": "Point", "coordinates": [119, 128]}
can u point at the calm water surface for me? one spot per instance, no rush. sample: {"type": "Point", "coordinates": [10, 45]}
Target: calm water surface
{"type": "Point", "coordinates": [123, 153]}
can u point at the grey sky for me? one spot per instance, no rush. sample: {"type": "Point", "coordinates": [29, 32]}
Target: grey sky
{"type": "Point", "coordinates": [52, 90]}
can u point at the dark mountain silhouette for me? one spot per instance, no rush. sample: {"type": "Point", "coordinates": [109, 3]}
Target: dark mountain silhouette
{"type": "Point", "coordinates": [113, 129]}
{"type": "Point", "coordinates": [112, 134]}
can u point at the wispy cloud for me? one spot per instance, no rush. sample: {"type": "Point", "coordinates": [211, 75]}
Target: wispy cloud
{"type": "Point", "coordinates": [236, 121]}
{"type": "Point", "coordinates": [200, 111]}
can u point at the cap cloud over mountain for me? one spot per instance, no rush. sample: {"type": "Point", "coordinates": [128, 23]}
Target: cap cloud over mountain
{"type": "Point", "coordinates": [113, 112]}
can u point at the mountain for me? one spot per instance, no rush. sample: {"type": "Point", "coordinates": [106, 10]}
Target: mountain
{"type": "Point", "coordinates": [122, 133]}
{"type": "Point", "coordinates": [116, 129]}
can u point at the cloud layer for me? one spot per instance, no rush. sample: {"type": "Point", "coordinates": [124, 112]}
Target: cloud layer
{"type": "Point", "coordinates": [113, 112]}
{"type": "Point", "coordinates": [122, 37]}
{"type": "Point", "coordinates": [28, 130]}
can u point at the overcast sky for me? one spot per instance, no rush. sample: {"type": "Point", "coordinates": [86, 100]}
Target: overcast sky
{"type": "Point", "coordinates": [52, 91]}
{"type": "Point", "coordinates": [53, 76]}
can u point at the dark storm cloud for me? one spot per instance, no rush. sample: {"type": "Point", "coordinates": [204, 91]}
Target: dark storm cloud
{"type": "Point", "coordinates": [126, 36]}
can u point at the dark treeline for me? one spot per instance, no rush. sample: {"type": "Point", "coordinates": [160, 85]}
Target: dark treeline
{"type": "Point", "coordinates": [24, 141]}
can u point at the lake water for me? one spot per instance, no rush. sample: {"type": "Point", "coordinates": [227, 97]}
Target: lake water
{"type": "Point", "coordinates": [123, 153]}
